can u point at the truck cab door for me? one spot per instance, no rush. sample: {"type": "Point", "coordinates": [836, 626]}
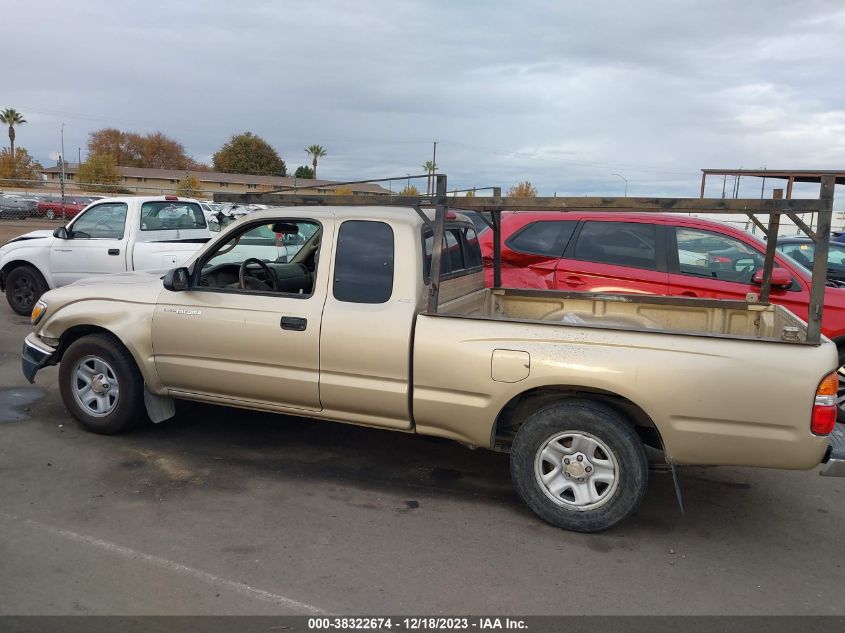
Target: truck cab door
{"type": "Point", "coordinates": [96, 244]}
{"type": "Point", "coordinates": [256, 343]}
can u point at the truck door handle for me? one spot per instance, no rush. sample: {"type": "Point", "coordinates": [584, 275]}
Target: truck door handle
{"type": "Point", "coordinates": [114, 251]}
{"type": "Point", "coordinates": [574, 281]}
{"type": "Point", "coordinates": [295, 324]}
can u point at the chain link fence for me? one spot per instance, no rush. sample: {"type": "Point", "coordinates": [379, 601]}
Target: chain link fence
{"type": "Point", "coordinates": [47, 201]}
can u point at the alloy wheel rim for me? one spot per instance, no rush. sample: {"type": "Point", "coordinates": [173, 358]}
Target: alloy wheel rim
{"type": "Point", "coordinates": [576, 470]}
{"type": "Point", "coordinates": [95, 386]}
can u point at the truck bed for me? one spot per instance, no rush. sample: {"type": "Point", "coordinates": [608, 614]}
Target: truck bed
{"type": "Point", "coordinates": [677, 315]}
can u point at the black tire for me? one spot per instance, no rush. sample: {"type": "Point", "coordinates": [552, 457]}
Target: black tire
{"type": "Point", "coordinates": [591, 421]}
{"type": "Point", "coordinates": [24, 286]}
{"type": "Point", "coordinates": [51, 215]}
{"type": "Point", "coordinates": [128, 407]}
{"type": "Point", "coordinates": [840, 394]}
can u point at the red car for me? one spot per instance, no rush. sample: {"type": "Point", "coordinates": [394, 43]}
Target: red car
{"type": "Point", "coordinates": [644, 253]}
{"type": "Point", "coordinates": [53, 208]}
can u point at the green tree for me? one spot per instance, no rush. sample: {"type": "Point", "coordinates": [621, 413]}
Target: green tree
{"type": "Point", "coordinates": [471, 193]}
{"type": "Point", "coordinates": [100, 173]}
{"type": "Point", "coordinates": [429, 167]}
{"type": "Point", "coordinates": [304, 171]}
{"type": "Point", "coordinates": [410, 190]}
{"type": "Point", "coordinates": [24, 168]}
{"type": "Point", "coordinates": [12, 117]}
{"type": "Point", "coordinates": [189, 187]}
{"type": "Point", "coordinates": [522, 189]}
{"type": "Point", "coordinates": [315, 151]}
{"type": "Point", "coordinates": [249, 154]}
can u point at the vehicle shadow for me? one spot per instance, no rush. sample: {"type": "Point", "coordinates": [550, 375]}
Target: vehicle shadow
{"type": "Point", "coordinates": [229, 446]}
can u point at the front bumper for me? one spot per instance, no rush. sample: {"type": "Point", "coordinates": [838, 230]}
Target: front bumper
{"type": "Point", "coordinates": [34, 356]}
{"type": "Point", "coordinates": [833, 464]}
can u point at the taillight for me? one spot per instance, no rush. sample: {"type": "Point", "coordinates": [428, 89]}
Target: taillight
{"type": "Point", "coordinates": [824, 407]}
{"type": "Point", "coordinates": [171, 197]}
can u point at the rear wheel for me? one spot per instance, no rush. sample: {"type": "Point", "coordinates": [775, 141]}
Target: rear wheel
{"type": "Point", "coordinates": [24, 286]}
{"type": "Point", "coordinates": [101, 385]}
{"type": "Point", "coordinates": [579, 465]}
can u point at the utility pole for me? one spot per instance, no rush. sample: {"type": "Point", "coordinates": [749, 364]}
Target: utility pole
{"type": "Point", "coordinates": [62, 158]}
{"type": "Point", "coordinates": [79, 156]}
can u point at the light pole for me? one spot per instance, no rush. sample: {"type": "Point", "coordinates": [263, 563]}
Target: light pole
{"type": "Point", "coordinates": [626, 182]}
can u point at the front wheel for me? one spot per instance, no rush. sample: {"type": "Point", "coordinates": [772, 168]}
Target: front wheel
{"type": "Point", "coordinates": [101, 385]}
{"type": "Point", "coordinates": [51, 215]}
{"type": "Point", "coordinates": [579, 465]}
{"type": "Point", "coordinates": [24, 286]}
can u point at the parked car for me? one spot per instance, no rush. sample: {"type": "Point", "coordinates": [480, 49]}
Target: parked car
{"type": "Point", "coordinates": [52, 207]}
{"type": "Point", "coordinates": [12, 206]}
{"type": "Point", "coordinates": [642, 253]}
{"type": "Point", "coordinates": [802, 250]}
{"type": "Point", "coordinates": [573, 387]}
{"type": "Point", "coordinates": [112, 235]}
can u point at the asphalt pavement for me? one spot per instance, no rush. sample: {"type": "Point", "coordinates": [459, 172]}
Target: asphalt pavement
{"type": "Point", "coordinates": [223, 511]}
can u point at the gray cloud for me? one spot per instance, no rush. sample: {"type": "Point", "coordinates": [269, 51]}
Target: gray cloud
{"type": "Point", "coordinates": [563, 94]}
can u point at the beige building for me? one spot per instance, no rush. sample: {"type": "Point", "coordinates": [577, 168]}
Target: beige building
{"type": "Point", "coordinates": [142, 180]}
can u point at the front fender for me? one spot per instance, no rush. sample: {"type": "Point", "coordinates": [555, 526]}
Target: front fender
{"type": "Point", "coordinates": [129, 322]}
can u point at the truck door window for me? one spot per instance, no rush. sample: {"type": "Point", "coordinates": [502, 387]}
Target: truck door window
{"type": "Point", "coordinates": [363, 270]}
{"type": "Point", "coordinates": [105, 221]}
{"type": "Point", "coordinates": [618, 243]}
{"type": "Point", "coordinates": [286, 254]}
{"type": "Point", "coordinates": [715, 256]}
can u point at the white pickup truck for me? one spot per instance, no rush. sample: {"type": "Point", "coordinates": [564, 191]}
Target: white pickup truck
{"type": "Point", "coordinates": [112, 235]}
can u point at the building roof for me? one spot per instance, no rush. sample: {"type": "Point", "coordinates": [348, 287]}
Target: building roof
{"type": "Point", "coordinates": [218, 177]}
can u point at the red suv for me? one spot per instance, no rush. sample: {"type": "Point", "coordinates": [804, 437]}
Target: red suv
{"type": "Point", "coordinates": [655, 254]}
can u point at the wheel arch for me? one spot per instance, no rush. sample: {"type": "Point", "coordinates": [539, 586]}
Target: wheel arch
{"type": "Point", "coordinates": [522, 405]}
{"type": "Point", "coordinates": [76, 332]}
{"type": "Point", "coordinates": [15, 263]}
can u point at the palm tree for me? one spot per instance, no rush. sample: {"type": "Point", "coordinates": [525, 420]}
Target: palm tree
{"type": "Point", "coordinates": [429, 167]}
{"type": "Point", "coordinates": [12, 117]}
{"type": "Point", "coordinates": [316, 151]}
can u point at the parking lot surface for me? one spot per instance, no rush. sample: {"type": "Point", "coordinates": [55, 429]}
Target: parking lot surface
{"type": "Point", "coordinates": [223, 511]}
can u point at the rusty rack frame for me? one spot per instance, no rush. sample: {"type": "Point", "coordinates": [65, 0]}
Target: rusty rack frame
{"type": "Point", "coordinates": [490, 209]}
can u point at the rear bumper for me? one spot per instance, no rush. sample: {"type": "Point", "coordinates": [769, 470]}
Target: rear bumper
{"type": "Point", "coordinates": [833, 464]}
{"type": "Point", "coordinates": [34, 356]}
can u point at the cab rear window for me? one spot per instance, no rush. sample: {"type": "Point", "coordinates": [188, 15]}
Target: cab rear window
{"type": "Point", "coordinates": [461, 252]}
{"type": "Point", "coordinates": [165, 216]}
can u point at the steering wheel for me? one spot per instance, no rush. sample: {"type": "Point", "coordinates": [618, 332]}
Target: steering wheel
{"type": "Point", "coordinates": [271, 276]}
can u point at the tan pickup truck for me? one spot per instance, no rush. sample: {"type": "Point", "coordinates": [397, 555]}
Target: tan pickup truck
{"type": "Point", "coordinates": [574, 386]}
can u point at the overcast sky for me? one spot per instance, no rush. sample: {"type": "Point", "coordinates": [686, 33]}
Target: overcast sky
{"type": "Point", "coordinates": [563, 94]}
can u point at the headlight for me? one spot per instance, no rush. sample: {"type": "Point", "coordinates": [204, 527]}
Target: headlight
{"type": "Point", "coordinates": [38, 311]}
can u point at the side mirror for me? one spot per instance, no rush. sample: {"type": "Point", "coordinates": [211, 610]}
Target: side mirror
{"type": "Point", "coordinates": [780, 278]}
{"type": "Point", "coordinates": [177, 279]}
{"type": "Point", "coordinates": [60, 233]}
